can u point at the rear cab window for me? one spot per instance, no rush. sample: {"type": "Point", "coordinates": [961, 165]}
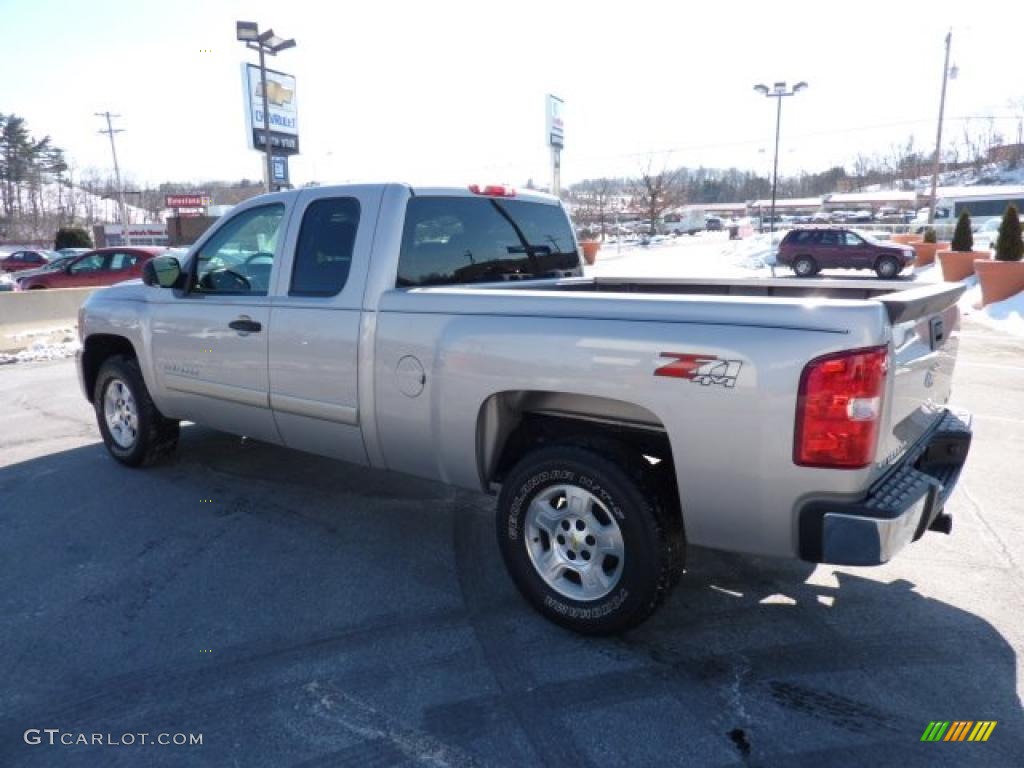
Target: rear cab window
{"type": "Point", "coordinates": [458, 240]}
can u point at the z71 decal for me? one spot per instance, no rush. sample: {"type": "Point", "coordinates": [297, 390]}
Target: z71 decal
{"type": "Point", "coordinates": [703, 369]}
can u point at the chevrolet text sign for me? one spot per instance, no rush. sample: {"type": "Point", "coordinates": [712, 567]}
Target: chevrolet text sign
{"type": "Point", "coordinates": [282, 110]}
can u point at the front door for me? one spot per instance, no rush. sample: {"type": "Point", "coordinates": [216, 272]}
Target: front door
{"type": "Point", "coordinates": [210, 341]}
{"type": "Point", "coordinates": [856, 252]}
{"type": "Point", "coordinates": [86, 272]}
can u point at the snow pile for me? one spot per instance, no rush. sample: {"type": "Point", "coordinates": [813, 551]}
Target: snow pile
{"type": "Point", "coordinates": [1007, 315]}
{"type": "Point", "coordinates": [41, 350]}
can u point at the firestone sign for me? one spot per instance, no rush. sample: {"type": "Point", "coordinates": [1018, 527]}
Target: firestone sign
{"type": "Point", "coordinates": [282, 110]}
{"type": "Point", "coordinates": [192, 200]}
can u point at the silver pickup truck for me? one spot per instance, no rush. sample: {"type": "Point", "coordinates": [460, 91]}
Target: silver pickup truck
{"type": "Point", "coordinates": [450, 334]}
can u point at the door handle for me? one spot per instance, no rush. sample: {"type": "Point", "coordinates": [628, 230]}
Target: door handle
{"type": "Point", "coordinates": [245, 325]}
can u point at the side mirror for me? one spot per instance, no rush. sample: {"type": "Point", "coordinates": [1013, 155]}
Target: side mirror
{"type": "Point", "coordinates": [163, 271]}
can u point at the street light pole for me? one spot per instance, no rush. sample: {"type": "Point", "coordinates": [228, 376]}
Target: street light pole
{"type": "Point", "coordinates": [265, 43]}
{"type": "Point", "coordinates": [938, 135]}
{"type": "Point", "coordinates": [779, 92]}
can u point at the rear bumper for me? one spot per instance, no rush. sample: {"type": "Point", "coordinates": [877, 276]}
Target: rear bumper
{"type": "Point", "coordinates": [898, 509]}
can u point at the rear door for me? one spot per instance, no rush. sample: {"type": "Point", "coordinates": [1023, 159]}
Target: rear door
{"type": "Point", "coordinates": [121, 266]}
{"type": "Point", "coordinates": [315, 321]}
{"type": "Point", "coordinates": [826, 249]}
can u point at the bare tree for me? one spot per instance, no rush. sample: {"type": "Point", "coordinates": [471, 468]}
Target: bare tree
{"type": "Point", "coordinates": [656, 192]}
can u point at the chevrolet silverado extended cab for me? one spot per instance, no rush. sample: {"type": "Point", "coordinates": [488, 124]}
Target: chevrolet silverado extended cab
{"type": "Point", "coordinates": [450, 334]}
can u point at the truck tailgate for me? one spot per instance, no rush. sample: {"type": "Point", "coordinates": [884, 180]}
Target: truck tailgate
{"type": "Point", "coordinates": [925, 333]}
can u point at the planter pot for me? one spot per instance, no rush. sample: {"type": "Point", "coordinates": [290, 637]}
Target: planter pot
{"type": "Point", "coordinates": [957, 265]}
{"type": "Point", "coordinates": [905, 239]}
{"type": "Point", "coordinates": [999, 279]}
{"type": "Point", "coordinates": [590, 249]}
{"type": "Point", "coordinates": [924, 253]}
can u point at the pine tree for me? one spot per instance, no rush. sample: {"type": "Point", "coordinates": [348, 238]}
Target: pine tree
{"type": "Point", "coordinates": [963, 239]}
{"type": "Point", "coordinates": [1009, 245]}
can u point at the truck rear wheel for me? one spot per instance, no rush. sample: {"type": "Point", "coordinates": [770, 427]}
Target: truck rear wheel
{"type": "Point", "coordinates": [133, 430]}
{"type": "Point", "coordinates": [588, 538]}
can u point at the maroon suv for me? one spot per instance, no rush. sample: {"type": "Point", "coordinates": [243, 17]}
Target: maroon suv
{"type": "Point", "coordinates": [811, 249]}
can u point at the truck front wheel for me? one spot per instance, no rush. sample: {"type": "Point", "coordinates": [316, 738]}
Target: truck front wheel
{"type": "Point", "coordinates": [588, 538]}
{"type": "Point", "coordinates": [133, 430]}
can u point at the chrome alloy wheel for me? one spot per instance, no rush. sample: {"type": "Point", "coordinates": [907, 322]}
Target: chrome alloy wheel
{"type": "Point", "coordinates": [574, 543]}
{"type": "Point", "coordinates": [121, 413]}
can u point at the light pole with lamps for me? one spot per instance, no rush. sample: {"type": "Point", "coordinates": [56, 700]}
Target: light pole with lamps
{"type": "Point", "coordinates": [267, 42]}
{"type": "Point", "coordinates": [777, 91]}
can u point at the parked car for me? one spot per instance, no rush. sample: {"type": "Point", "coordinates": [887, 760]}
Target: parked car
{"type": "Point", "coordinates": [104, 266]}
{"type": "Point", "coordinates": [713, 224]}
{"type": "Point", "coordinates": [73, 251]}
{"type": "Point", "coordinates": [807, 251]}
{"type": "Point", "coordinates": [450, 334]}
{"type": "Point", "coordinates": [25, 259]}
{"type": "Point", "coordinates": [56, 263]}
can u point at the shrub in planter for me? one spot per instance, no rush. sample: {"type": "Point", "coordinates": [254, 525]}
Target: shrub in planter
{"type": "Point", "coordinates": [963, 239]}
{"type": "Point", "coordinates": [1004, 277]}
{"type": "Point", "coordinates": [72, 237]}
{"type": "Point", "coordinates": [1009, 246]}
{"type": "Point", "coordinates": [958, 263]}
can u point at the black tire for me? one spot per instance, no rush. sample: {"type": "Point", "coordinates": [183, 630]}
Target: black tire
{"type": "Point", "coordinates": [156, 437]}
{"type": "Point", "coordinates": [648, 520]}
{"type": "Point", "coordinates": [805, 266]}
{"type": "Point", "coordinates": [887, 267]}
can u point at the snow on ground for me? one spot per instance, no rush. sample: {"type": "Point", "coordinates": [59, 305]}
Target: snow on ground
{"type": "Point", "coordinates": [42, 344]}
{"type": "Point", "coordinates": [706, 254]}
{"type": "Point", "coordinates": [1006, 316]}
{"type": "Point", "coordinates": [41, 350]}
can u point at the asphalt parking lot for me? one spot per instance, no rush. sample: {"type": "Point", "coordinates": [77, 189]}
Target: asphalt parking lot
{"type": "Point", "coordinates": [300, 612]}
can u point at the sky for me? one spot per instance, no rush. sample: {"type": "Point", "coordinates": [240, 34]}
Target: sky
{"type": "Point", "coordinates": [453, 92]}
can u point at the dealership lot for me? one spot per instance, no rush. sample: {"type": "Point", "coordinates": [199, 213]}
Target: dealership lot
{"type": "Point", "coordinates": [296, 611]}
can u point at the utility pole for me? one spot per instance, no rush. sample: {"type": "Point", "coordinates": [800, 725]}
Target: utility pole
{"type": "Point", "coordinates": [117, 173]}
{"type": "Point", "coordinates": [938, 135]}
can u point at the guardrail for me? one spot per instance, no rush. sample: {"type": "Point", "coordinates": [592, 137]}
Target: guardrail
{"type": "Point", "coordinates": [22, 311]}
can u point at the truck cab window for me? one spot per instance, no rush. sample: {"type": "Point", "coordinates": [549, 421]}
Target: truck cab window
{"type": "Point", "coordinates": [239, 256]}
{"type": "Point", "coordinates": [453, 240]}
{"type": "Point", "coordinates": [323, 255]}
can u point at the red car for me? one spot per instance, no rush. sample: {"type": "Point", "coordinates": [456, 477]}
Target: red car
{"type": "Point", "coordinates": [23, 260]}
{"type": "Point", "coordinates": [104, 266]}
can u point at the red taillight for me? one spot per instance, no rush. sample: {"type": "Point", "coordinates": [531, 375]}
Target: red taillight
{"type": "Point", "coordinates": [838, 409]}
{"type": "Point", "coordinates": [492, 190]}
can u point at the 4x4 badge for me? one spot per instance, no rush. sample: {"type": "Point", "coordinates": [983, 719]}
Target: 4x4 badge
{"type": "Point", "coordinates": [703, 369]}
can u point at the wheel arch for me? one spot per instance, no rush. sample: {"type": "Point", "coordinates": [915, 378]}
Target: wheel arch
{"type": "Point", "coordinates": [96, 350]}
{"type": "Point", "coordinates": [512, 423]}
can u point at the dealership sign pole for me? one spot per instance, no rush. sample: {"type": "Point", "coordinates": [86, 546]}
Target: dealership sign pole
{"type": "Point", "coordinates": [268, 43]}
{"type": "Point", "coordinates": [556, 140]}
